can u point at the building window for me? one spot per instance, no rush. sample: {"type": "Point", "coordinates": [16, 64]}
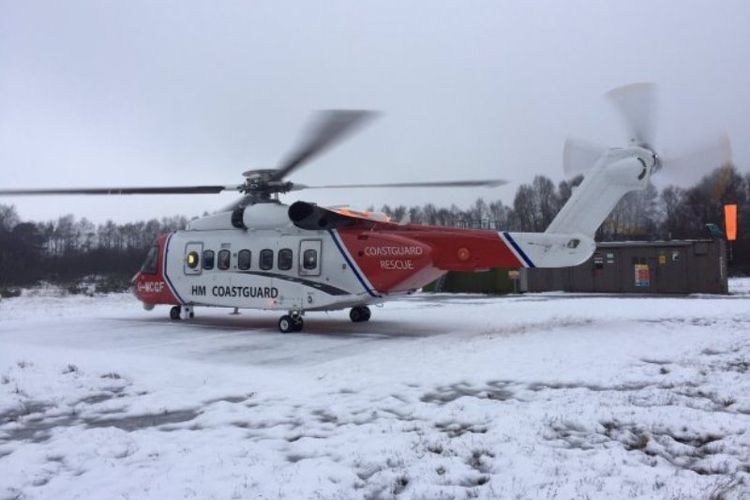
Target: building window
{"type": "Point", "coordinates": [266, 259]}
{"type": "Point", "coordinates": [192, 260]}
{"type": "Point", "coordinates": [598, 261]}
{"type": "Point", "coordinates": [224, 258]}
{"type": "Point", "coordinates": [208, 259]}
{"type": "Point", "coordinates": [285, 259]}
{"type": "Point", "coordinates": [310, 259]}
{"type": "Point", "coordinates": [243, 260]}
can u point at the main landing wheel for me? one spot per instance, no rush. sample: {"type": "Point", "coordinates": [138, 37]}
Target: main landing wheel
{"type": "Point", "coordinates": [174, 313]}
{"type": "Point", "coordinates": [360, 314]}
{"type": "Point", "coordinates": [299, 323]}
{"type": "Point", "coordinates": [289, 324]}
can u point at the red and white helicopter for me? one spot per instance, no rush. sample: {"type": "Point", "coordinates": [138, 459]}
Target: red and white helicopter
{"type": "Point", "coordinates": [262, 254]}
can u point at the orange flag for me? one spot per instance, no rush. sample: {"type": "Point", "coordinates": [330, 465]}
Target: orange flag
{"type": "Point", "coordinates": [730, 221]}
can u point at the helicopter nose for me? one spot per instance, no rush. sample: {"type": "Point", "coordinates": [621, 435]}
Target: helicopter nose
{"type": "Point", "coordinates": [134, 285]}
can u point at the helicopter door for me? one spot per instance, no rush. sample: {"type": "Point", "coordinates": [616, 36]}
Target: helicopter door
{"type": "Point", "coordinates": [193, 256]}
{"type": "Point", "coordinates": [309, 257]}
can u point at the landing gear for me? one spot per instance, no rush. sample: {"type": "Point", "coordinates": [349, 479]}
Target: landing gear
{"type": "Point", "coordinates": [188, 312]}
{"type": "Point", "coordinates": [360, 314]}
{"type": "Point", "coordinates": [177, 312]}
{"type": "Point", "coordinates": [291, 322]}
{"type": "Point", "coordinates": [298, 323]}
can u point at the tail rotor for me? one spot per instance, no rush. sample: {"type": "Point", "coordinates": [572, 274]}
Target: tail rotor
{"type": "Point", "coordinates": [636, 104]}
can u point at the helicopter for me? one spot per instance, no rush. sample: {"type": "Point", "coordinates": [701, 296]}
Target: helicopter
{"type": "Point", "coordinates": [259, 253]}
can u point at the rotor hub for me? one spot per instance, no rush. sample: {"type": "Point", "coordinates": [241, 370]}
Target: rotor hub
{"type": "Point", "coordinates": [262, 183]}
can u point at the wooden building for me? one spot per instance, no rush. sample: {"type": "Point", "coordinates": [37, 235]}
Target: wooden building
{"type": "Point", "coordinates": [654, 267]}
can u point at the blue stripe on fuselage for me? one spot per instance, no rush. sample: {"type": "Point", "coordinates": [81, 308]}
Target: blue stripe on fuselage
{"type": "Point", "coordinates": [518, 249]}
{"type": "Point", "coordinates": [349, 262]}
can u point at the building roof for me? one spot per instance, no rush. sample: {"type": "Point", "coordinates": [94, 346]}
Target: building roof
{"type": "Point", "coordinates": [659, 243]}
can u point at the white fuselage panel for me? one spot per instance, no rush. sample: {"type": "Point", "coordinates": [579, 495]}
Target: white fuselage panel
{"type": "Point", "coordinates": [287, 269]}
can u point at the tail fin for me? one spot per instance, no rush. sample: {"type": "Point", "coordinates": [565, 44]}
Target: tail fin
{"type": "Point", "coordinates": [617, 172]}
{"type": "Point", "coordinates": [569, 239]}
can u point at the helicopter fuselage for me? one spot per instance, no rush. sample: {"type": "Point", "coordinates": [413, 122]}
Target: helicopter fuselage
{"type": "Point", "coordinates": [352, 260]}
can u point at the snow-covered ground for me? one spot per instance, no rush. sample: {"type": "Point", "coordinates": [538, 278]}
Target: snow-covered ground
{"type": "Point", "coordinates": [534, 396]}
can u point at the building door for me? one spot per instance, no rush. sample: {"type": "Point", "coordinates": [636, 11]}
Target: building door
{"type": "Point", "coordinates": [606, 271]}
{"type": "Point", "coordinates": [671, 270]}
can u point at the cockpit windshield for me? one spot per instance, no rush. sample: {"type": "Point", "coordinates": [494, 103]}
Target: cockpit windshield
{"type": "Point", "coordinates": [150, 264]}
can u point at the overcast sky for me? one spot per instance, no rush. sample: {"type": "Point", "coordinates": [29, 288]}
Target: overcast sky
{"type": "Point", "coordinates": [182, 92]}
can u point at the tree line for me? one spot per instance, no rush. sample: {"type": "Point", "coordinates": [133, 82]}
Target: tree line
{"type": "Point", "coordinates": [650, 214]}
{"type": "Point", "coordinates": [68, 249]}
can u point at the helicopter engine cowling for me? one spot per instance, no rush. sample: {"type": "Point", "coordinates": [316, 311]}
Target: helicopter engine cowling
{"type": "Point", "coordinates": [310, 216]}
{"type": "Point", "coordinates": [260, 216]}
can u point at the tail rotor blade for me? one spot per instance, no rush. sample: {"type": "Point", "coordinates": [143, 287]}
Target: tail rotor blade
{"type": "Point", "coordinates": [579, 156]}
{"type": "Point", "coordinates": [637, 105]}
{"type": "Point", "coordinates": [687, 169]}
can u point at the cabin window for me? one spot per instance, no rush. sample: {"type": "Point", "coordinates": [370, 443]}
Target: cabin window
{"type": "Point", "coordinates": [208, 259]}
{"type": "Point", "coordinates": [310, 259]}
{"type": "Point", "coordinates": [243, 260]}
{"type": "Point", "coordinates": [150, 264]}
{"type": "Point", "coordinates": [224, 258]}
{"type": "Point", "coordinates": [285, 259]}
{"type": "Point", "coordinates": [266, 259]}
{"type": "Point", "coordinates": [192, 260]}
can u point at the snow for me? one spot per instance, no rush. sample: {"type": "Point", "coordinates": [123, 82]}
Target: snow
{"type": "Point", "coordinates": [438, 396]}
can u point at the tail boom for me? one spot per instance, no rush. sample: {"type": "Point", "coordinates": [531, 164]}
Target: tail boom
{"type": "Point", "coordinates": [618, 172]}
{"type": "Point", "coordinates": [548, 249]}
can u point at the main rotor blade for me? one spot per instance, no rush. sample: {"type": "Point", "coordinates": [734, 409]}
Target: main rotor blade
{"type": "Point", "coordinates": [328, 129]}
{"type": "Point", "coordinates": [579, 156]}
{"type": "Point", "coordinates": [637, 105]}
{"type": "Point", "coordinates": [438, 184]}
{"type": "Point", "coordinates": [121, 190]}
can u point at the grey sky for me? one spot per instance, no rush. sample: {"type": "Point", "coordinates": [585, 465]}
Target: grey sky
{"type": "Point", "coordinates": [192, 92]}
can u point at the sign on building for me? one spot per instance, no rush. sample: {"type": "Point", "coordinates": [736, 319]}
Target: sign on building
{"type": "Point", "coordinates": [642, 275]}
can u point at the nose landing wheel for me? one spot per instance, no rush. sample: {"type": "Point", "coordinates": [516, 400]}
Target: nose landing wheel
{"type": "Point", "coordinates": [360, 314]}
{"type": "Point", "coordinates": [176, 312]}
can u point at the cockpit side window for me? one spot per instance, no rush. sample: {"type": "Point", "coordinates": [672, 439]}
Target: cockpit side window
{"type": "Point", "coordinates": [152, 260]}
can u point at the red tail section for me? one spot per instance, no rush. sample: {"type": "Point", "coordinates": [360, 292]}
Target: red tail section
{"type": "Point", "coordinates": [394, 258]}
{"type": "Point", "coordinates": [464, 249]}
